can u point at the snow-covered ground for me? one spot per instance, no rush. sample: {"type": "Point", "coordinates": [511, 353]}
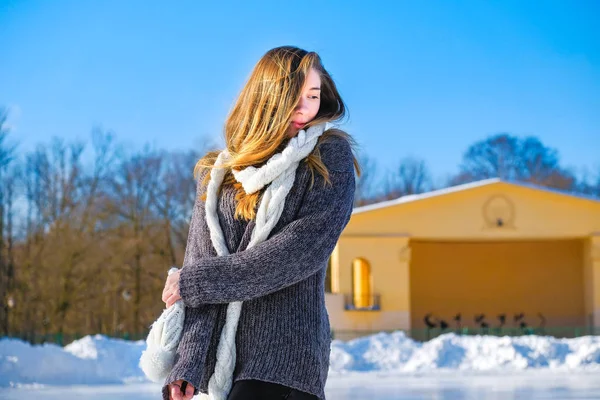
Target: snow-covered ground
{"type": "Point", "coordinates": [382, 366]}
{"type": "Point", "coordinates": [530, 385]}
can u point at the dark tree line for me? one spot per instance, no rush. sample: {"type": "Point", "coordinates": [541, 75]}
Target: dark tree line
{"type": "Point", "coordinates": [89, 230]}
{"type": "Point", "coordinates": [87, 233]}
{"type": "Point", "coordinates": [504, 156]}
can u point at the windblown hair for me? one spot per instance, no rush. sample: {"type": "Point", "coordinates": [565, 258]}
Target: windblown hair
{"type": "Point", "coordinates": [256, 127]}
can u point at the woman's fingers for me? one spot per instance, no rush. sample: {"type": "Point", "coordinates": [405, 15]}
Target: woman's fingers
{"type": "Point", "coordinates": [175, 392]}
{"type": "Point", "coordinates": [172, 299]}
{"type": "Point", "coordinates": [170, 295]}
{"type": "Point", "coordinates": [171, 287]}
{"type": "Point", "coordinates": [189, 392]}
{"type": "Point", "coordinates": [167, 291]}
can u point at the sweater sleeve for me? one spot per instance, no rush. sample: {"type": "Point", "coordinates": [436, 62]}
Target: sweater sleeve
{"type": "Point", "coordinates": [199, 321]}
{"type": "Point", "coordinates": [193, 347]}
{"type": "Point", "coordinates": [293, 254]}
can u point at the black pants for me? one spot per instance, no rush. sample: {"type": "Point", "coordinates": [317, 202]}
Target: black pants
{"type": "Point", "coordinates": [259, 390]}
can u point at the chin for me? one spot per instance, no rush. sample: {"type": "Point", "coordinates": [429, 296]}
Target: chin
{"type": "Point", "coordinates": [292, 132]}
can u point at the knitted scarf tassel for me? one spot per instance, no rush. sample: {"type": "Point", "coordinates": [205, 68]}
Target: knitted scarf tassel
{"type": "Point", "coordinates": [279, 173]}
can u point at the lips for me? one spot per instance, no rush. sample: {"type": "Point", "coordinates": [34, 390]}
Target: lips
{"type": "Point", "coordinates": [298, 125]}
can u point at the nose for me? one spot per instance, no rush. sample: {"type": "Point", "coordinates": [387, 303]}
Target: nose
{"type": "Point", "coordinates": [301, 105]}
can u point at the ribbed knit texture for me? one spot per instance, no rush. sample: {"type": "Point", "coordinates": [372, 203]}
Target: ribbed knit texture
{"type": "Point", "coordinates": [283, 334]}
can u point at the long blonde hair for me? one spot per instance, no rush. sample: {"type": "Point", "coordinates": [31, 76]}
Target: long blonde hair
{"type": "Point", "coordinates": [256, 128]}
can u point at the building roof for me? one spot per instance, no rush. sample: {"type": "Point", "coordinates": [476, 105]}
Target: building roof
{"type": "Point", "coordinates": [467, 186]}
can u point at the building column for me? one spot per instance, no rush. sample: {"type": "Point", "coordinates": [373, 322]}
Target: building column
{"type": "Point", "coordinates": [334, 264]}
{"type": "Point", "coordinates": [403, 279]}
{"type": "Point", "coordinates": [591, 278]}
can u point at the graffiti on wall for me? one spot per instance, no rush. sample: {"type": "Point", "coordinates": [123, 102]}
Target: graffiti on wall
{"type": "Point", "coordinates": [500, 321]}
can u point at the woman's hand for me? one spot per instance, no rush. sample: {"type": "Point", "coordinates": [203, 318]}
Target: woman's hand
{"type": "Point", "coordinates": [170, 293]}
{"type": "Point", "coordinates": [176, 391]}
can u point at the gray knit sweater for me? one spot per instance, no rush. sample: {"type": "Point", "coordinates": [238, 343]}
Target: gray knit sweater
{"type": "Point", "coordinates": [283, 334]}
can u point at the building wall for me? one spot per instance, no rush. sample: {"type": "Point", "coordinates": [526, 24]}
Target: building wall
{"type": "Point", "coordinates": [543, 235]}
{"type": "Point", "coordinates": [508, 278]}
{"type": "Point", "coordinates": [389, 273]}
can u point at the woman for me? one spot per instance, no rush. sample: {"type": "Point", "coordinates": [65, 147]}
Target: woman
{"type": "Point", "coordinates": [277, 346]}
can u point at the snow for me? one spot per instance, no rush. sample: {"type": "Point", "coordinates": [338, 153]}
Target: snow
{"type": "Point", "coordinates": [90, 360]}
{"type": "Point", "coordinates": [398, 353]}
{"type": "Point", "coordinates": [532, 385]}
{"type": "Point", "coordinates": [95, 360]}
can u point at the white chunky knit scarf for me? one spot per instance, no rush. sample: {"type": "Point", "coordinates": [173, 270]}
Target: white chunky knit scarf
{"type": "Point", "coordinates": [279, 173]}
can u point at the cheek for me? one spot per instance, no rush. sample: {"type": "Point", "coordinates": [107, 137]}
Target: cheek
{"type": "Point", "coordinates": [315, 108]}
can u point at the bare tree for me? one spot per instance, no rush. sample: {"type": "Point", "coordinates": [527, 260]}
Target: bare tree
{"type": "Point", "coordinates": [96, 236]}
{"type": "Point", "coordinates": [410, 177]}
{"type": "Point", "coordinates": [589, 183]}
{"type": "Point", "coordinates": [7, 193]}
{"type": "Point", "coordinates": [514, 159]}
{"type": "Point", "coordinates": [174, 201]}
{"type": "Point", "coordinates": [59, 264]}
{"type": "Point", "coordinates": [134, 188]}
{"type": "Point", "coordinates": [365, 184]}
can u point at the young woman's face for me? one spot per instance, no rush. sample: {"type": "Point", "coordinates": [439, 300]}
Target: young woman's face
{"type": "Point", "coordinates": [308, 106]}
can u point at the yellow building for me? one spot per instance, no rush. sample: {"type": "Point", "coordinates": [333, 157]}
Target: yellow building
{"type": "Point", "coordinates": [485, 254]}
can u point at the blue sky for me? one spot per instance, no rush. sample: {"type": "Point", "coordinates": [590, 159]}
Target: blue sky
{"type": "Point", "coordinates": [420, 78]}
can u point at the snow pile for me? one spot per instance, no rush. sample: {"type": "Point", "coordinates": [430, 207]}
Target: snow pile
{"type": "Point", "coordinates": [394, 352]}
{"type": "Point", "coordinates": [90, 360]}
{"type": "Point", "coordinates": [101, 360]}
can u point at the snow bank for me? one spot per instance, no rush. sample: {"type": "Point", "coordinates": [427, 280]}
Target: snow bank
{"type": "Point", "coordinates": [101, 360]}
{"type": "Point", "coordinates": [90, 360]}
{"type": "Point", "coordinates": [394, 352]}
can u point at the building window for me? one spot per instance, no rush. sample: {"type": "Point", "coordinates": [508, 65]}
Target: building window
{"type": "Point", "coordinates": [362, 297]}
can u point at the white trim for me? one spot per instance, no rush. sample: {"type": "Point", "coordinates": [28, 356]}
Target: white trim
{"type": "Point", "coordinates": [460, 188]}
